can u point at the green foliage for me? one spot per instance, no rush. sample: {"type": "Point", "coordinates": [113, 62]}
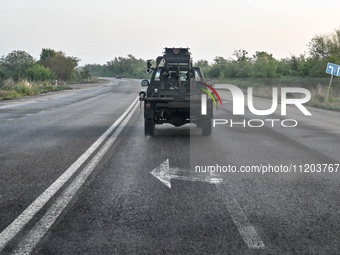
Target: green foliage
{"type": "Point", "coordinates": [204, 65]}
{"type": "Point", "coordinates": [321, 50]}
{"type": "Point", "coordinates": [46, 53]}
{"type": "Point", "coordinates": [325, 46]}
{"type": "Point", "coordinates": [319, 47]}
{"type": "Point", "coordinates": [8, 94]}
{"type": "Point", "coordinates": [241, 69]}
{"type": "Point", "coordinates": [19, 64]}
{"type": "Point", "coordinates": [127, 67]}
{"type": "Point", "coordinates": [39, 73]}
{"type": "Point", "coordinates": [96, 70]}
{"type": "Point", "coordinates": [320, 98]}
{"type": "Point", "coordinates": [12, 89]}
{"type": "Point", "coordinates": [130, 67]}
{"type": "Point", "coordinates": [2, 75]}
{"type": "Point", "coordinates": [85, 74]}
{"type": "Point", "coordinates": [16, 63]}
{"type": "Point", "coordinates": [241, 55]}
{"type": "Point", "coordinates": [20, 75]}
{"type": "Point", "coordinates": [264, 65]}
{"type": "Point", "coordinates": [320, 102]}
{"type": "Point", "coordinates": [61, 65]}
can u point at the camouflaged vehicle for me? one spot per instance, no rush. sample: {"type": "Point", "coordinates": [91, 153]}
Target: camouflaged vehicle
{"type": "Point", "coordinates": [174, 93]}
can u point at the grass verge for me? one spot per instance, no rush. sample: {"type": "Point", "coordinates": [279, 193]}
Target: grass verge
{"type": "Point", "coordinates": [11, 89]}
{"type": "Point", "coordinates": [317, 87]}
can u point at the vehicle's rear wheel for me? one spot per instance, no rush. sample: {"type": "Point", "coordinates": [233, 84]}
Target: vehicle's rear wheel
{"type": "Point", "coordinates": [149, 127]}
{"type": "Point", "coordinates": [206, 127]}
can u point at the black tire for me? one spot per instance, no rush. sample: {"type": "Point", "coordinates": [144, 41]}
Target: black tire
{"type": "Point", "coordinates": [206, 127]}
{"type": "Point", "coordinates": [149, 127]}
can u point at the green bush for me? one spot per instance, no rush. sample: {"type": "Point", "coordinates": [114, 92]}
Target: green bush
{"type": "Point", "coordinates": [8, 94]}
{"type": "Point", "coordinates": [39, 73]}
{"type": "Point", "coordinates": [16, 63]}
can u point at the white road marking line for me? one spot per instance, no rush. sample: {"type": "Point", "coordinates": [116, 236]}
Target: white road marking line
{"type": "Point", "coordinates": [247, 231]}
{"type": "Point", "coordinates": [17, 225]}
{"type": "Point", "coordinates": [33, 237]}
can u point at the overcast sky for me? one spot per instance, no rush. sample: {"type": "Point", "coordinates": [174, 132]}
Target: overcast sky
{"type": "Point", "coordinates": [97, 31]}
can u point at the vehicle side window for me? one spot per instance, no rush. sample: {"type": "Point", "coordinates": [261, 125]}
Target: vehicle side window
{"type": "Point", "coordinates": [197, 75]}
{"type": "Point", "coordinates": [157, 75]}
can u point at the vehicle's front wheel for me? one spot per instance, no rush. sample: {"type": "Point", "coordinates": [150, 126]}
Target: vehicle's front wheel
{"type": "Point", "coordinates": [206, 127]}
{"type": "Point", "coordinates": [149, 127]}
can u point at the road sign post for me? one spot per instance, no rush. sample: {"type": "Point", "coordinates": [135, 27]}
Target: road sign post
{"type": "Point", "coordinates": [332, 69]}
{"type": "Point", "coordinates": [329, 87]}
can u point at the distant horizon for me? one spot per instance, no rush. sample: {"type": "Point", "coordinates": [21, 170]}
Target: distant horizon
{"type": "Point", "coordinates": [97, 32]}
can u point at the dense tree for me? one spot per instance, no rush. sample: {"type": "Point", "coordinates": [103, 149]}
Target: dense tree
{"type": "Point", "coordinates": [85, 73]}
{"type": "Point", "coordinates": [2, 74]}
{"type": "Point", "coordinates": [319, 47]}
{"type": "Point", "coordinates": [293, 67]}
{"type": "Point", "coordinates": [47, 53]}
{"type": "Point", "coordinates": [16, 63]}
{"type": "Point", "coordinates": [323, 49]}
{"type": "Point", "coordinates": [325, 46]}
{"type": "Point", "coordinates": [242, 65]}
{"type": "Point", "coordinates": [39, 73]}
{"type": "Point", "coordinates": [284, 67]}
{"type": "Point", "coordinates": [97, 70]}
{"type": "Point", "coordinates": [218, 68]}
{"type": "Point", "coordinates": [127, 67]}
{"type": "Point", "coordinates": [241, 55]}
{"type": "Point", "coordinates": [264, 65]}
{"type": "Point", "coordinates": [204, 65]}
{"type": "Point", "coordinates": [61, 65]}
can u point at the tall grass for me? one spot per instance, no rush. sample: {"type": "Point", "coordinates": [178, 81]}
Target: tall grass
{"type": "Point", "coordinates": [317, 86]}
{"type": "Point", "coordinates": [11, 89]}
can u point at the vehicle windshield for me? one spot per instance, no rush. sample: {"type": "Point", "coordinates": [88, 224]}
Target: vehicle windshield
{"type": "Point", "coordinates": [183, 75]}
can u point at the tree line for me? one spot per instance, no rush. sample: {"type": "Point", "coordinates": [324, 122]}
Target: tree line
{"type": "Point", "coordinates": [130, 67]}
{"type": "Point", "coordinates": [321, 50]}
{"type": "Point", "coordinates": [56, 65]}
{"type": "Point", "coordinates": [52, 65]}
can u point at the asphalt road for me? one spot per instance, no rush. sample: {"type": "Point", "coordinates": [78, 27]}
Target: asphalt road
{"type": "Point", "coordinates": [75, 178]}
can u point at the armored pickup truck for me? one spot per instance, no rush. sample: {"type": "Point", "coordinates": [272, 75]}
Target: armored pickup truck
{"type": "Point", "coordinates": [174, 93]}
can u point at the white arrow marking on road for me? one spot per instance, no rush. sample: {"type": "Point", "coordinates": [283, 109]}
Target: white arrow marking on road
{"type": "Point", "coordinates": [165, 174]}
